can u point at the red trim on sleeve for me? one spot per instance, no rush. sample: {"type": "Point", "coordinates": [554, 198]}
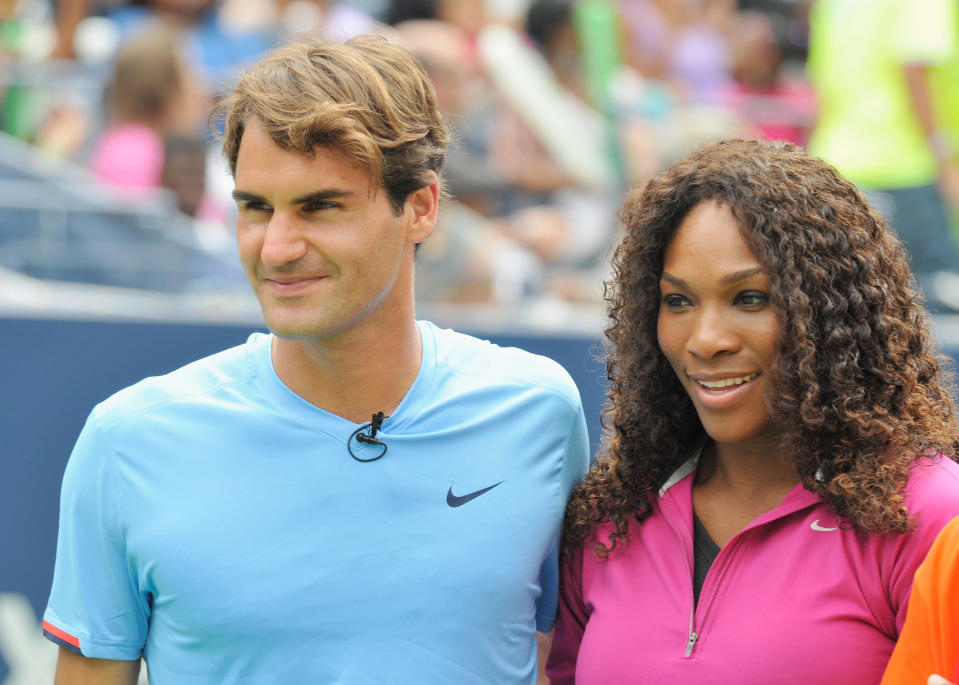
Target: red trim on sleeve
{"type": "Point", "coordinates": [66, 637]}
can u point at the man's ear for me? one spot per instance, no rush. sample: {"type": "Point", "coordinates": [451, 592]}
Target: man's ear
{"type": "Point", "coordinates": [423, 204]}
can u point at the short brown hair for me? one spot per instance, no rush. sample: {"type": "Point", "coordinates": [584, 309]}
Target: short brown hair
{"type": "Point", "coordinates": [367, 98]}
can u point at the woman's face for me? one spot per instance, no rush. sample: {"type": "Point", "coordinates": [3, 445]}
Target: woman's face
{"type": "Point", "coordinates": [716, 324]}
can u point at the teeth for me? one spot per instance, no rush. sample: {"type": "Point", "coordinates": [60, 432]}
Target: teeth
{"type": "Point", "coordinates": [726, 382]}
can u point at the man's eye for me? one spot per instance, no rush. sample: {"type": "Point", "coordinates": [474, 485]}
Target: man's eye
{"type": "Point", "coordinates": [317, 206]}
{"type": "Point", "coordinates": [255, 207]}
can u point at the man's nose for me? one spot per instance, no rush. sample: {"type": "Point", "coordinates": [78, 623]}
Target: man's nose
{"type": "Point", "coordinates": [283, 242]}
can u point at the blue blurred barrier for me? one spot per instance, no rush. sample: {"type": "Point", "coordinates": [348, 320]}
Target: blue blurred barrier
{"type": "Point", "coordinates": [58, 223]}
{"type": "Point", "coordinates": [53, 372]}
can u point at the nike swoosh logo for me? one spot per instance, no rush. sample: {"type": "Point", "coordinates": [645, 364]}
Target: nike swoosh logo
{"type": "Point", "coordinates": [815, 526]}
{"type": "Point", "coordinates": [458, 501]}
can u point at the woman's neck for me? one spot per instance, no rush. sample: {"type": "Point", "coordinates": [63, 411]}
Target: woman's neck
{"type": "Point", "coordinates": [747, 469]}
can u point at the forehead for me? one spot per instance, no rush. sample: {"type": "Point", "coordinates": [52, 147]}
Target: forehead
{"type": "Point", "coordinates": [709, 236]}
{"type": "Point", "coordinates": [263, 165]}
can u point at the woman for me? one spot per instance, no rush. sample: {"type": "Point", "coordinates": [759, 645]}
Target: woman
{"type": "Point", "coordinates": [779, 455]}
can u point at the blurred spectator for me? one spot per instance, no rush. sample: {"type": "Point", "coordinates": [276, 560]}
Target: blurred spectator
{"type": "Point", "coordinates": [335, 20]}
{"type": "Point", "coordinates": [467, 15]}
{"type": "Point", "coordinates": [684, 43]}
{"type": "Point", "coordinates": [524, 212]}
{"type": "Point", "coordinates": [550, 122]}
{"type": "Point", "coordinates": [184, 174]}
{"type": "Point", "coordinates": [219, 35]}
{"type": "Point", "coordinates": [944, 83]}
{"type": "Point", "coordinates": [216, 40]}
{"type": "Point", "coordinates": [775, 106]}
{"type": "Point", "coordinates": [152, 95]}
{"type": "Point", "coordinates": [550, 24]}
{"type": "Point", "coordinates": [552, 146]}
{"type": "Point", "coordinates": [399, 11]}
{"type": "Point", "coordinates": [470, 257]}
{"type": "Point", "coordinates": [464, 96]}
{"type": "Point", "coordinates": [535, 145]}
{"type": "Point", "coordinates": [870, 64]}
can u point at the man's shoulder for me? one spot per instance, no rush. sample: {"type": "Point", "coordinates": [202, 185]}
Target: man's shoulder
{"type": "Point", "coordinates": [468, 356]}
{"type": "Point", "coordinates": [189, 383]}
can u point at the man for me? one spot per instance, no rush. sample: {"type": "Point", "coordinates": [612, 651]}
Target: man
{"type": "Point", "coordinates": [929, 641]}
{"type": "Point", "coordinates": [356, 498]}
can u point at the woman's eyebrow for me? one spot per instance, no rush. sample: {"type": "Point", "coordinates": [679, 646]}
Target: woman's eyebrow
{"type": "Point", "coordinates": [728, 279]}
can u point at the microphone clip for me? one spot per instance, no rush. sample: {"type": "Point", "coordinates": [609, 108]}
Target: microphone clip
{"type": "Point", "coordinates": [368, 438]}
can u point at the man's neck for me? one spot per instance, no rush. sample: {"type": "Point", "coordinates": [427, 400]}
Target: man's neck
{"type": "Point", "coordinates": [354, 375]}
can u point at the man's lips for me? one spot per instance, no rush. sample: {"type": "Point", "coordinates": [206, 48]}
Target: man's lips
{"type": "Point", "coordinates": [289, 285]}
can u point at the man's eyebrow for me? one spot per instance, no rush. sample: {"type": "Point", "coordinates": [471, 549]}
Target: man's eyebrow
{"type": "Point", "coordinates": [321, 196]}
{"type": "Point", "coordinates": [316, 196]}
{"type": "Point", "coordinates": [244, 196]}
{"type": "Point", "coordinates": [728, 279]}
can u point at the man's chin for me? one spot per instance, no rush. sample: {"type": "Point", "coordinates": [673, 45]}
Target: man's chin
{"type": "Point", "coordinates": [289, 330]}
{"type": "Point", "coordinates": [292, 325]}
{"type": "Point", "coordinates": [291, 333]}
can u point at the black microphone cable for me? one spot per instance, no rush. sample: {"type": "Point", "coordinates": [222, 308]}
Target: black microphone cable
{"type": "Point", "coordinates": [368, 439]}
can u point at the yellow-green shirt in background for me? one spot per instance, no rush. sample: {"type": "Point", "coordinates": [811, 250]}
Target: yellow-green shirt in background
{"type": "Point", "coordinates": [857, 51]}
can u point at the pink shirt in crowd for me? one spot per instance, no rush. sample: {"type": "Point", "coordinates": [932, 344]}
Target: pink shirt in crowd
{"type": "Point", "coordinates": [130, 158]}
{"type": "Point", "coordinates": [794, 598]}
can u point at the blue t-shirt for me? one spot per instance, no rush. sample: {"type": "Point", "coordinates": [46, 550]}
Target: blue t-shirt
{"type": "Point", "coordinates": [214, 521]}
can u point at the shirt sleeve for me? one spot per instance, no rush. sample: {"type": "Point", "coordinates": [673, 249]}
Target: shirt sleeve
{"type": "Point", "coordinates": [932, 498]}
{"type": "Point", "coordinates": [924, 31]}
{"type": "Point", "coordinates": [575, 464]}
{"type": "Point", "coordinates": [571, 621]}
{"type": "Point", "coordinates": [95, 607]}
{"type": "Point", "coordinates": [929, 642]}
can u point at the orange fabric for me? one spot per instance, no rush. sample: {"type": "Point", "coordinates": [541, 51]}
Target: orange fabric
{"type": "Point", "coordinates": [929, 642]}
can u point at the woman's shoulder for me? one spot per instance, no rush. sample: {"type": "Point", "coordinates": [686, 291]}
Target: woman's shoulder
{"type": "Point", "coordinates": [936, 474]}
{"type": "Point", "coordinates": [932, 494]}
{"type": "Point", "coordinates": [652, 532]}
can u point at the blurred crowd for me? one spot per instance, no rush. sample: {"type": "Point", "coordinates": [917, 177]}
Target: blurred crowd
{"type": "Point", "coordinates": [557, 107]}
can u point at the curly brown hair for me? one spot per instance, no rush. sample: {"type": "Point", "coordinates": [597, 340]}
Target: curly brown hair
{"type": "Point", "coordinates": [861, 391]}
{"type": "Point", "coordinates": [367, 97]}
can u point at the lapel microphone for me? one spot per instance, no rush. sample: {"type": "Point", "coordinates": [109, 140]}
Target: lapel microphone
{"type": "Point", "coordinates": [368, 438]}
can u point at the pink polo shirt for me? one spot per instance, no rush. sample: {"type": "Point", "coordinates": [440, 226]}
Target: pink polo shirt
{"type": "Point", "coordinates": [792, 598]}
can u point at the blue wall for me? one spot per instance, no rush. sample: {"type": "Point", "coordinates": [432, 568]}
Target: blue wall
{"type": "Point", "coordinates": [53, 372]}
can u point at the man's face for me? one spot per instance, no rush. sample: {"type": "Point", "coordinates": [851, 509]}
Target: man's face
{"type": "Point", "coordinates": [322, 248]}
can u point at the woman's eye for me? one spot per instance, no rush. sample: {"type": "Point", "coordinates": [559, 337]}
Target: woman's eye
{"type": "Point", "coordinates": [752, 298]}
{"type": "Point", "coordinates": [675, 301]}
